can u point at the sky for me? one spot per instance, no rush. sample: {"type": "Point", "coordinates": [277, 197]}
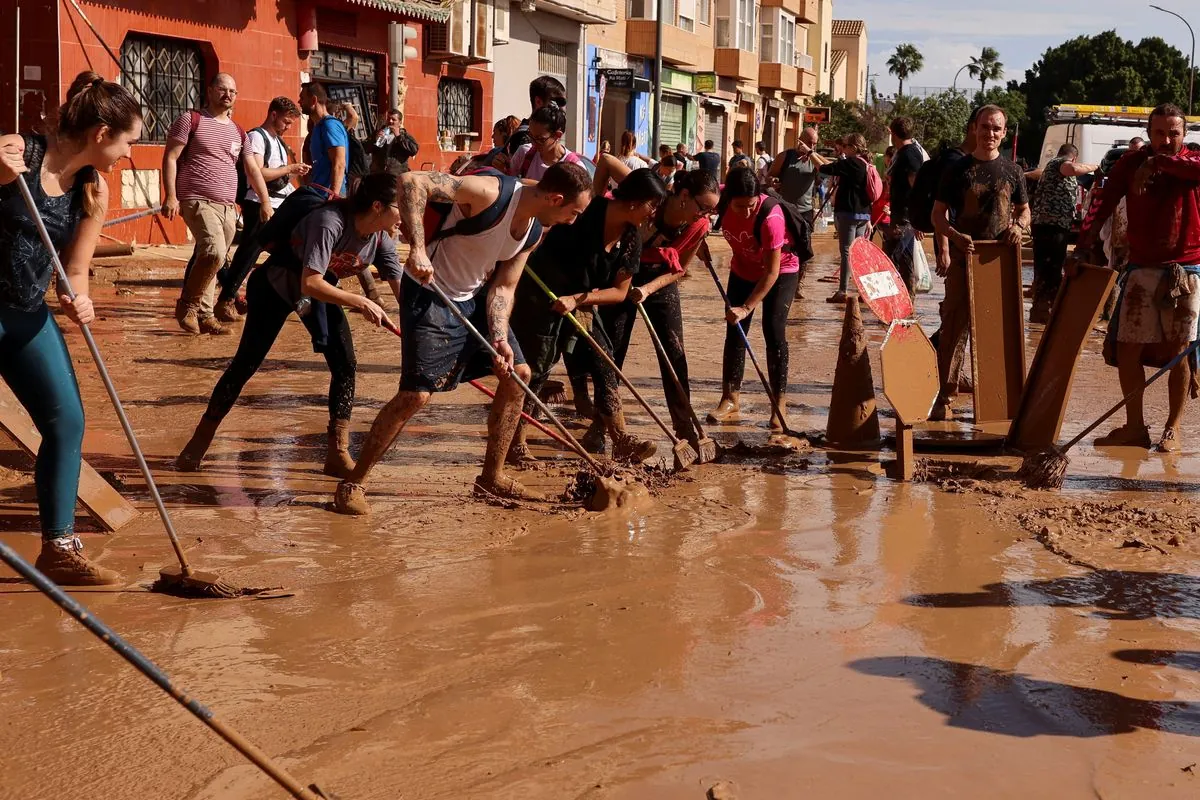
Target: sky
{"type": "Point", "coordinates": [948, 33]}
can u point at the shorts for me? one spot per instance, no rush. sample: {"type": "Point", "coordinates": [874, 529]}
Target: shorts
{"type": "Point", "coordinates": [1144, 321]}
{"type": "Point", "coordinates": [437, 350]}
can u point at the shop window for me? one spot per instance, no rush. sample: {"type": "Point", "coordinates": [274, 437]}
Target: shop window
{"type": "Point", "coordinates": [167, 78]}
{"type": "Point", "coordinates": [456, 106]}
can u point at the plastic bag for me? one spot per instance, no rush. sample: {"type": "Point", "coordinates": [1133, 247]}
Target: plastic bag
{"type": "Point", "coordinates": [924, 278]}
{"type": "Point", "coordinates": [821, 225]}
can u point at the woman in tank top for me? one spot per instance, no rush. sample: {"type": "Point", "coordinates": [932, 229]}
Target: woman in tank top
{"type": "Point", "coordinates": [94, 129]}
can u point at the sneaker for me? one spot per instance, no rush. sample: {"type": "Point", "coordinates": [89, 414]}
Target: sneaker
{"type": "Point", "coordinates": [226, 311]}
{"type": "Point", "coordinates": [211, 326]}
{"type": "Point", "coordinates": [187, 317]}
{"type": "Point", "coordinates": [1125, 437]}
{"type": "Point", "coordinates": [62, 561]}
{"type": "Point", "coordinates": [351, 499]}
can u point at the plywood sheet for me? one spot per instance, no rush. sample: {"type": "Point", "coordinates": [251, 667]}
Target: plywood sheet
{"type": "Point", "coordinates": [910, 374]}
{"type": "Point", "coordinates": [997, 330]}
{"type": "Point", "coordinates": [102, 501]}
{"type": "Point", "coordinates": [1044, 402]}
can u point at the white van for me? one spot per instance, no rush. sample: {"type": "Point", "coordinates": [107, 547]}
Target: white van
{"type": "Point", "coordinates": [1097, 129]}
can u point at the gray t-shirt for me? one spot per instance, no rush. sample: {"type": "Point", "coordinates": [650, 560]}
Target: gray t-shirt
{"type": "Point", "coordinates": [796, 181]}
{"type": "Point", "coordinates": [325, 241]}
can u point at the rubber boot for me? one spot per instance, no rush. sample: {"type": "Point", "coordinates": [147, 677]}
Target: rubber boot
{"type": "Point", "coordinates": [338, 463]}
{"type": "Point", "coordinates": [582, 396]}
{"type": "Point", "coordinates": [62, 561]}
{"type": "Point", "coordinates": [776, 426]}
{"type": "Point", "coordinates": [726, 410]}
{"type": "Point", "coordinates": [193, 452]}
{"type": "Point", "coordinates": [593, 439]}
{"type": "Point", "coordinates": [626, 446]}
{"type": "Point", "coordinates": [351, 499]}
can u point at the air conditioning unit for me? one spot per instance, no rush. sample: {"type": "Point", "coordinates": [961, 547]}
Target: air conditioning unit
{"type": "Point", "coordinates": [500, 25]}
{"type": "Point", "coordinates": [481, 45]}
{"type": "Point", "coordinates": [453, 39]}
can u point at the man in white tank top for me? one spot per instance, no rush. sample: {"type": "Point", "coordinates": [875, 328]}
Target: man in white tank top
{"type": "Point", "coordinates": [476, 253]}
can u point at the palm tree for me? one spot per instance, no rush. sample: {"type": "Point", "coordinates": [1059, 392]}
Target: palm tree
{"type": "Point", "coordinates": [906, 61]}
{"type": "Point", "coordinates": [986, 67]}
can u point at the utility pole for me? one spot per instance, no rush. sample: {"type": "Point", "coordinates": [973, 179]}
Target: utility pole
{"type": "Point", "coordinates": [658, 33]}
{"type": "Point", "coordinates": [1191, 64]}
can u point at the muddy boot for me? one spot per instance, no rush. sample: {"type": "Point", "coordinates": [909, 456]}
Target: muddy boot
{"type": "Point", "coordinates": [351, 499]}
{"type": "Point", "coordinates": [188, 317]}
{"type": "Point", "coordinates": [626, 446]}
{"type": "Point", "coordinates": [211, 326]}
{"type": "Point", "coordinates": [582, 397]}
{"type": "Point", "coordinates": [593, 440]}
{"type": "Point", "coordinates": [726, 410]}
{"type": "Point", "coordinates": [62, 561]}
{"type": "Point", "coordinates": [193, 452]}
{"type": "Point", "coordinates": [519, 452]}
{"type": "Point", "coordinates": [1169, 443]}
{"type": "Point", "coordinates": [1125, 436]}
{"type": "Point", "coordinates": [507, 488]}
{"type": "Point", "coordinates": [942, 411]}
{"type": "Point", "coordinates": [776, 425]}
{"type": "Point", "coordinates": [226, 311]}
{"type": "Point", "coordinates": [338, 463]}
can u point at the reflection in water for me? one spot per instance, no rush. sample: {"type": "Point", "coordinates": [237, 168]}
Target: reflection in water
{"type": "Point", "coordinates": [1011, 704]}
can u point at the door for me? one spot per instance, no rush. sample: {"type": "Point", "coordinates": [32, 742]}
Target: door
{"type": "Point", "coordinates": [714, 128]}
{"type": "Point", "coordinates": [769, 127]}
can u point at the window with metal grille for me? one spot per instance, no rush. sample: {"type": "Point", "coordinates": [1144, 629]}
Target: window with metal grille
{"type": "Point", "coordinates": [167, 78]}
{"type": "Point", "coordinates": [456, 106]}
{"type": "Point", "coordinates": [553, 57]}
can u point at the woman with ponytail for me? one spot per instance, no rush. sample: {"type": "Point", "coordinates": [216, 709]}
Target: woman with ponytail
{"type": "Point", "coordinates": [762, 272]}
{"type": "Point", "coordinates": [95, 129]}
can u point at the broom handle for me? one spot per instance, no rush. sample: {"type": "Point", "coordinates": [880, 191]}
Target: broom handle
{"type": "Point", "coordinates": [775, 410]}
{"type": "Point", "coordinates": [570, 440]}
{"type": "Point", "coordinates": [1174, 362]}
{"type": "Point", "coordinates": [606, 357]}
{"type": "Point", "coordinates": [662, 353]}
{"type": "Point", "coordinates": [148, 668]}
{"type": "Point", "coordinates": [65, 288]}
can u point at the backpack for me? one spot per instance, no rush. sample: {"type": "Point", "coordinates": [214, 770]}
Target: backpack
{"type": "Point", "coordinates": [437, 213]}
{"type": "Point", "coordinates": [357, 164]}
{"type": "Point", "coordinates": [273, 187]}
{"type": "Point", "coordinates": [874, 182]}
{"type": "Point", "coordinates": [275, 235]}
{"type": "Point", "coordinates": [740, 160]}
{"type": "Point", "coordinates": [242, 183]}
{"type": "Point", "coordinates": [794, 221]}
{"type": "Point", "coordinates": [924, 192]}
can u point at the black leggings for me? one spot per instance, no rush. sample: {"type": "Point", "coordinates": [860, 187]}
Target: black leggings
{"type": "Point", "coordinates": [266, 313]}
{"type": "Point", "coordinates": [665, 314]}
{"type": "Point", "coordinates": [776, 306]}
{"type": "Point", "coordinates": [245, 257]}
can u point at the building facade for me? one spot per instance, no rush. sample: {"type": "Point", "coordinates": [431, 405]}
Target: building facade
{"type": "Point", "coordinates": [849, 66]}
{"type": "Point", "coordinates": [169, 52]}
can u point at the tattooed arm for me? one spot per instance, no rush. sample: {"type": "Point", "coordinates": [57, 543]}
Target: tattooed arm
{"type": "Point", "coordinates": [418, 189]}
{"type": "Point", "coordinates": [499, 307]}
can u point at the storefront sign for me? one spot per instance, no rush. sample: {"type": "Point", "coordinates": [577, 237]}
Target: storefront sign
{"type": "Point", "coordinates": [773, 103]}
{"type": "Point", "coordinates": [618, 78]}
{"type": "Point", "coordinates": [704, 82]}
{"type": "Point", "coordinates": [817, 115]}
{"type": "Point", "coordinates": [611, 59]}
{"type": "Point", "coordinates": [674, 79]}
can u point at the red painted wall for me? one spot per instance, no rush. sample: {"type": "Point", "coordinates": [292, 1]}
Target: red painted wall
{"type": "Point", "coordinates": [254, 40]}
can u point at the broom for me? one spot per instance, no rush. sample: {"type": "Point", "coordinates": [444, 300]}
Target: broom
{"type": "Point", "coordinates": [148, 668]}
{"type": "Point", "coordinates": [706, 448]}
{"type": "Point", "coordinates": [180, 581]}
{"type": "Point", "coordinates": [1047, 468]}
{"type": "Point", "coordinates": [685, 456]}
{"type": "Point", "coordinates": [553, 392]}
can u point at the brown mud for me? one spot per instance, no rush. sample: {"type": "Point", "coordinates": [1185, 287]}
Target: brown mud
{"type": "Point", "coordinates": [769, 627]}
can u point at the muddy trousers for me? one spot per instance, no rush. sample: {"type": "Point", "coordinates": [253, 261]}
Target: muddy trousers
{"type": "Point", "coordinates": [955, 312]}
{"type": "Point", "coordinates": [35, 364]}
{"type": "Point", "coordinates": [1049, 253]}
{"type": "Point", "coordinates": [665, 314]}
{"type": "Point", "coordinates": [266, 314]}
{"type": "Point", "coordinates": [775, 308]}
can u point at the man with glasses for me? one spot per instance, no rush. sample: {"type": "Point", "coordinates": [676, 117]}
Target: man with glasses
{"type": "Point", "coordinates": [200, 182]}
{"type": "Point", "coordinates": [545, 147]}
{"type": "Point", "coordinates": [543, 91]}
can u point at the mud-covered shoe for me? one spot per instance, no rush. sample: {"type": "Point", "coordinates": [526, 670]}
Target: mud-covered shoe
{"type": "Point", "coordinates": [62, 561]}
{"type": "Point", "coordinates": [519, 454]}
{"type": "Point", "coordinates": [942, 412]}
{"type": "Point", "coordinates": [1169, 443]}
{"type": "Point", "coordinates": [627, 447]}
{"type": "Point", "coordinates": [726, 411]}
{"type": "Point", "coordinates": [187, 317]}
{"type": "Point", "coordinates": [1125, 436]}
{"type": "Point", "coordinates": [351, 499]}
{"type": "Point", "coordinates": [211, 326]}
{"type": "Point", "coordinates": [226, 311]}
{"type": "Point", "coordinates": [507, 488]}
{"type": "Point", "coordinates": [838, 297]}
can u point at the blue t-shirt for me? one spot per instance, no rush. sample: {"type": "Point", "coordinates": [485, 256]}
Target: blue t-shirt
{"type": "Point", "coordinates": [329, 132]}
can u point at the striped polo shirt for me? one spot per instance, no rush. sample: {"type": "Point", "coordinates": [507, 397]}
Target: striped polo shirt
{"type": "Point", "coordinates": [208, 166]}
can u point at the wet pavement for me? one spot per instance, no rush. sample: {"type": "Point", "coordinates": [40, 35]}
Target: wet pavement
{"type": "Point", "coordinates": [799, 627]}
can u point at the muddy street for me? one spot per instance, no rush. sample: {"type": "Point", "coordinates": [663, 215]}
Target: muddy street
{"type": "Point", "coordinates": [794, 626]}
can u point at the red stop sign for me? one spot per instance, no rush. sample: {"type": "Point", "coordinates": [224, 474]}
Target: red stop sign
{"type": "Point", "coordinates": [879, 284]}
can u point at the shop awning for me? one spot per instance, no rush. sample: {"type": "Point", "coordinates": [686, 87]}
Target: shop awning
{"type": "Point", "coordinates": [431, 10]}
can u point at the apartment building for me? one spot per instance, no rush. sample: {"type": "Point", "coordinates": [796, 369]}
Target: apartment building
{"type": "Point", "coordinates": [848, 65]}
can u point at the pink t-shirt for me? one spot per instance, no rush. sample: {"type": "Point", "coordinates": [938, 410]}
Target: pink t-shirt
{"type": "Point", "coordinates": [747, 253]}
{"type": "Point", "coordinates": [208, 166]}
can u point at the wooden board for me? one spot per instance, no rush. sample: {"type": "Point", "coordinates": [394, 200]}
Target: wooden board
{"type": "Point", "coordinates": [997, 330]}
{"type": "Point", "coordinates": [1044, 402]}
{"type": "Point", "coordinates": [908, 363]}
{"type": "Point", "coordinates": [102, 501]}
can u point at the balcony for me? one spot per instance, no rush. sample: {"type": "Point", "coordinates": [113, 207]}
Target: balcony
{"type": "Point", "coordinates": [779, 76]}
{"type": "Point", "coordinates": [588, 12]}
{"type": "Point", "coordinates": [806, 11]}
{"type": "Point", "coordinates": [679, 46]}
{"type": "Point", "coordinates": [734, 63]}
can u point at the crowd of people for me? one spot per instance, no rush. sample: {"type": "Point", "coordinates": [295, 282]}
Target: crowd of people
{"type": "Point", "coordinates": [600, 245]}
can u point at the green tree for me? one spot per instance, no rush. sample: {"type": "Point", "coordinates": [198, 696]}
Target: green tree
{"type": "Point", "coordinates": [906, 61]}
{"type": "Point", "coordinates": [940, 119]}
{"type": "Point", "coordinates": [1103, 69]}
{"type": "Point", "coordinates": [986, 67]}
{"type": "Point", "coordinates": [1011, 100]}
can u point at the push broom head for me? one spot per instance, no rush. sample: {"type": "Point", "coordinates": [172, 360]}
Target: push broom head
{"type": "Point", "coordinates": [685, 456]}
{"type": "Point", "coordinates": [1044, 469]}
{"type": "Point", "coordinates": [553, 393]}
{"type": "Point", "coordinates": [706, 450]}
{"type": "Point", "coordinates": [173, 581]}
